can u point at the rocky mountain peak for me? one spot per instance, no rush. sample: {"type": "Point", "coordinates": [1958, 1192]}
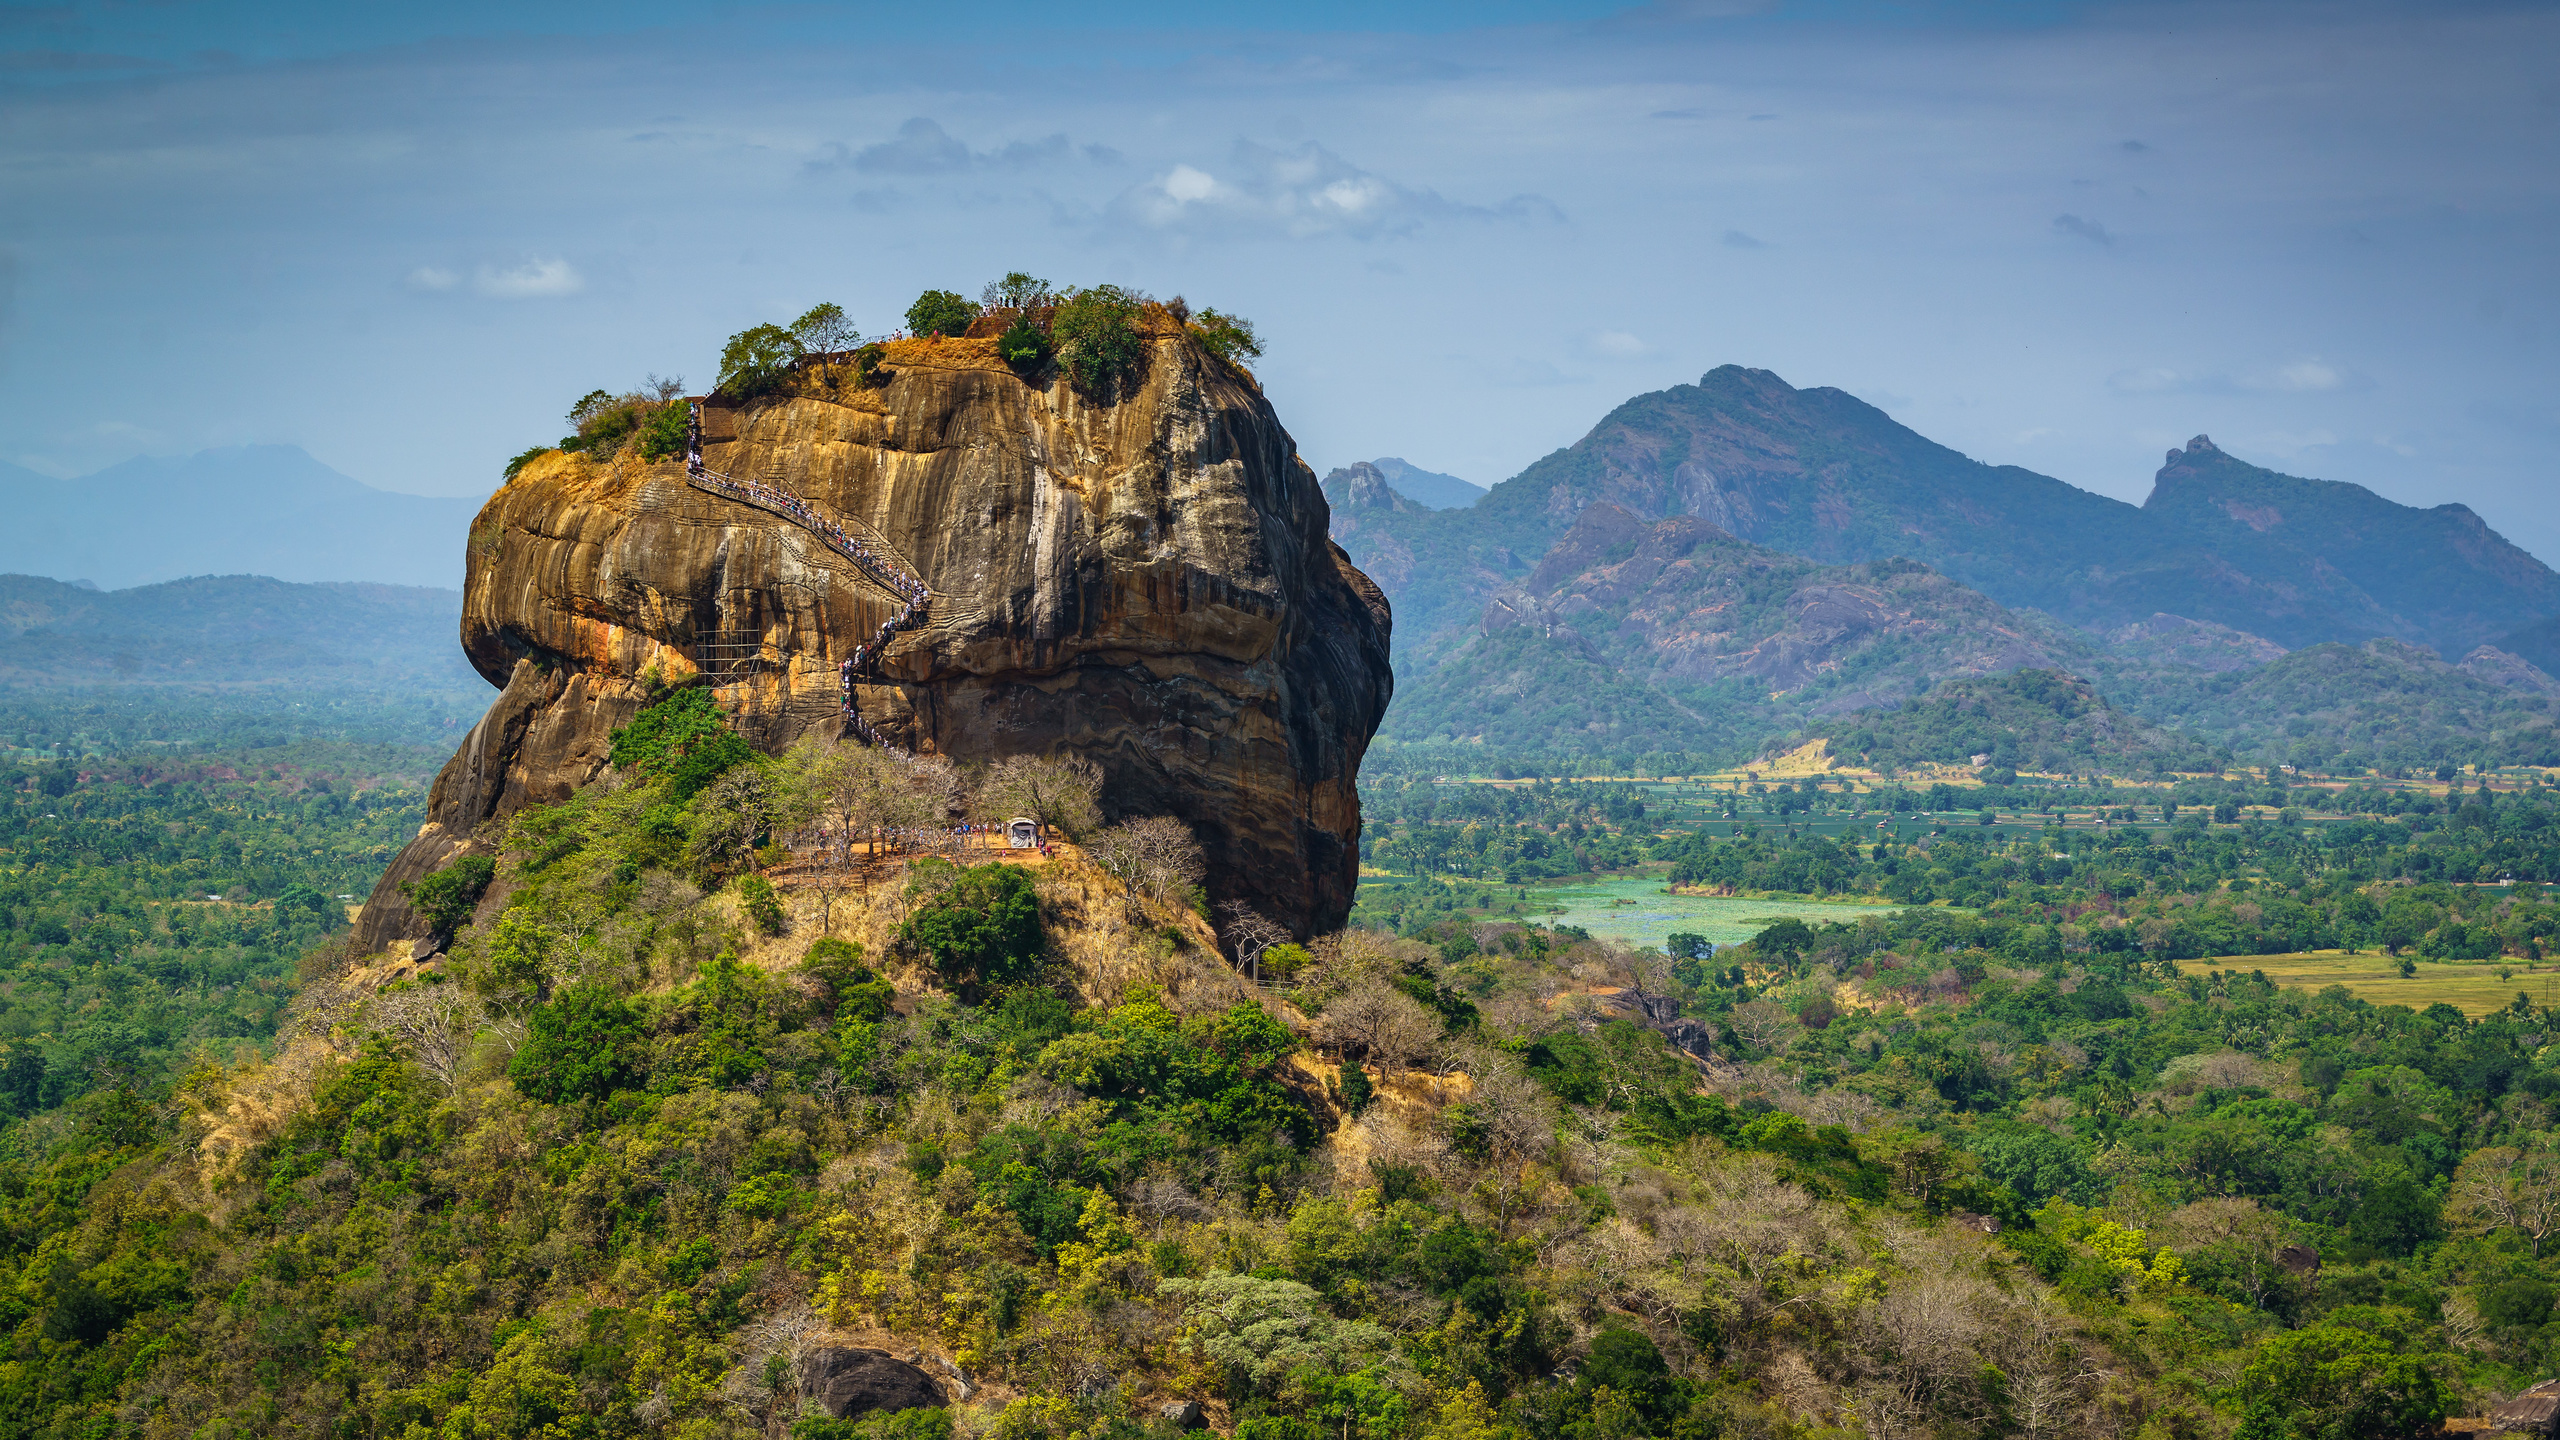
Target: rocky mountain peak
{"type": "Point", "coordinates": [1362, 486]}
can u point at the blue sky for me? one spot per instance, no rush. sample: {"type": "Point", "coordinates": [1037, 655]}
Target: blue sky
{"type": "Point", "coordinates": [2059, 236]}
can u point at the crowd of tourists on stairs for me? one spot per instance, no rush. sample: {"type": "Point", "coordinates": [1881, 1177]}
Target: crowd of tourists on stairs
{"type": "Point", "coordinates": [866, 656]}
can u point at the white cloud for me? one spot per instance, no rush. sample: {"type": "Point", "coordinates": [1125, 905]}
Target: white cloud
{"type": "Point", "coordinates": [2303, 376]}
{"type": "Point", "coordinates": [2307, 376]}
{"type": "Point", "coordinates": [2158, 381]}
{"type": "Point", "coordinates": [1619, 345]}
{"type": "Point", "coordinates": [431, 279]}
{"type": "Point", "coordinates": [923, 147]}
{"type": "Point", "coordinates": [2085, 229]}
{"type": "Point", "coordinates": [535, 279]}
{"type": "Point", "coordinates": [1300, 193]}
{"type": "Point", "coordinates": [1183, 185]}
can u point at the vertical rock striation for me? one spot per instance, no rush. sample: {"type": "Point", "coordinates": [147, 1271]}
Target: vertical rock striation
{"type": "Point", "coordinates": [1145, 580]}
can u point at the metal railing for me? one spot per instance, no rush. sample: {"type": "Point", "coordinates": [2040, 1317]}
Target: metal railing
{"type": "Point", "coordinates": [899, 581]}
{"type": "Point", "coordinates": [726, 657]}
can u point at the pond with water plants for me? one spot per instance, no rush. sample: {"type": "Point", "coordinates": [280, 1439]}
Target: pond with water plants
{"type": "Point", "coordinates": [1641, 910]}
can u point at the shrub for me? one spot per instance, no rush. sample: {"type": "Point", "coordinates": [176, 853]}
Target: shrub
{"type": "Point", "coordinates": [866, 364]}
{"type": "Point", "coordinates": [755, 360]}
{"type": "Point", "coordinates": [581, 1046]}
{"type": "Point", "coordinates": [940, 312]}
{"type": "Point", "coordinates": [446, 897]}
{"type": "Point", "coordinates": [986, 924]}
{"type": "Point", "coordinates": [662, 433]}
{"type": "Point", "coordinates": [904, 1425]}
{"type": "Point", "coordinates": [1229, 337]}
{"type": "Point", "coordinates": [601, 422]}
{"type": "Point", "coordinates": [1356, 1089]}
{"type": "Point", "coordinates": [682, 738]}
{"type": "Point", "coordinates": [1283, 962]}
{"type": "Point", "coordinates": [756, 897]}
{"type": "Point", "coordinates": [1096, 334]}
{"type": "Point", "coordinates": [852, 988]}
{"type": "Point", "coordinates": [1023, 345]}
{"type": "Point", "coordinates": [2340, 1379]}
{"type": "Point", "coordinates": [527, 457]}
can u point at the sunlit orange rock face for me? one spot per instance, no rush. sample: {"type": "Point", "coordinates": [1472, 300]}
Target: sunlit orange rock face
{"type": "Point", "coordinates": [1142, 578]}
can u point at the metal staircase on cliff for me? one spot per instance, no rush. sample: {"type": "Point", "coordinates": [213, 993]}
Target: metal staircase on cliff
{"type": "Point", "coordinates": [874, 560]}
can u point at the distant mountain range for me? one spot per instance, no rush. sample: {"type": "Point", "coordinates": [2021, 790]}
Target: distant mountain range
{"type": "Point", "coordinates": [1822, 474]}
{"type": "Point", "coordinates": [1429, 488]}
{"type": "Point", "coordinates": [1722, 565]}
{"type": "Point", "coordinates": [260, 510]}
{"type": "Point", "coordinates": [1672, 634]}
{"type": "Point", "coordinates": [236, 632]}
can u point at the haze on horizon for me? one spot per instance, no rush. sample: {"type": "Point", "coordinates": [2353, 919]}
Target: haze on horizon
{"type": "Point", "coordinates": [2063, 236]}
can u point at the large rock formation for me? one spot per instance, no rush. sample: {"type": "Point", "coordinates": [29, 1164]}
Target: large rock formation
{"type": "Point", "coordinates": [1145, 581]}
{"type": "Point", "coordinates": [848, 1380]}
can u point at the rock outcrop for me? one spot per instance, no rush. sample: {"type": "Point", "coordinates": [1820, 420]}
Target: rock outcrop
{"type": "Point", "coordinates": [1143, 580]}
{"type": "Point", "coordinates": [1673, 634]}
{"type": "Point", "coordinates": [848, 1380]}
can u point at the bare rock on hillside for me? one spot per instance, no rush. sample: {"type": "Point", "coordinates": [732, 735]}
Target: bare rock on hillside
{"type": "Point", "coordinates": [2167, 639]}
{"type": "Point", "coordinates": [1694, 604]}
{"type": "Point", "coordinates": [1145, 581]}
{"type": "Point", "coordinates": [2507, 671]}
{"type": "Point", "coordinates": [849, 1380]}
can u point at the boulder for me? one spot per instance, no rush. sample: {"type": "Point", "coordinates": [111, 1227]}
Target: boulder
{"type": "Point", "coordinates": [1143, 579]}
{"type": "Point", "coordinates": [1184, 1415]}
{"type": "Point", "coordinates": [850, 1381]}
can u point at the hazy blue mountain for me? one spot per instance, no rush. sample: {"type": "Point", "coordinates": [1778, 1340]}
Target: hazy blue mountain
{"type": "Point", "coordinates": [1821, 474]}
{"type": "Point", "coordinates": [1440, 492]}
{"type": "Point", "coordinates": [254, 510]}
{"type": "Point", "coordinates": [233, 633]}
{"type": "Point", "coordinates": [2348, 707]}
{"type": "Point", "coordinates": [2328, 561]}
{"type": "Point", "coordinates": [2538, 642]}
{"type": "Point", "coordinates": [1671, 634]}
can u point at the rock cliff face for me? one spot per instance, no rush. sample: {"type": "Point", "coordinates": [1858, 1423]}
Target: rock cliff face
{"type": "Point", "coordinates": [1145, 581]}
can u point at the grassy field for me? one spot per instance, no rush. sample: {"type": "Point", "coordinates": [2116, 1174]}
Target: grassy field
{"type": "Point", "coordinates": [2471, 986]}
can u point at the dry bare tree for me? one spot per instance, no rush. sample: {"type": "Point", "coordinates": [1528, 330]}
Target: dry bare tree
{"type": "Point", "coordinates": [2506, 1187]}
{"type": "Point", "coordinates": [1155, 857]}
{"type": "Point", "coordinates": [1649, 982]}
{"type": "Point", "coordinates": [1765, 1025]}
{"type": "Point", "coordinates": [857, 794]}
{"type": "Point", "coordinates": [1373, 1020]}
{"type": "Point", "coordinates": [1517, 1121]}
{"type": "Point", "coordinates": [1248, 932]}
{"type": "Point", "coordinates": [1062, 792]}
{"type": "Point", "coordinates": [436, 1023]}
